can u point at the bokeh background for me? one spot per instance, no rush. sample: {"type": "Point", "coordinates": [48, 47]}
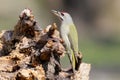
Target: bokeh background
{"type": "Point", "coordinates": [98, 25]}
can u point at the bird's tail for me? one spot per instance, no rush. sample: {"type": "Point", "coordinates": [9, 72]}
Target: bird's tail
{"type": "Point", "coordinates": [79, 59]}
{"type": "Point", "coordinates": [75, 59]}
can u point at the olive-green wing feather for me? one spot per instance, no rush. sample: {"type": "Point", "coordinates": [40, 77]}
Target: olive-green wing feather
{"type": "Point", "coordinates": [73, 37]}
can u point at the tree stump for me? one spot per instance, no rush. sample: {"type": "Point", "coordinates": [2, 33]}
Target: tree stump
{"type": "Point", "coordinates": [31, 53]}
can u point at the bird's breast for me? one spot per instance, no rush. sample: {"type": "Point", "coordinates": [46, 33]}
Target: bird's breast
{"type": "Point", "coordinates": [64, 29]}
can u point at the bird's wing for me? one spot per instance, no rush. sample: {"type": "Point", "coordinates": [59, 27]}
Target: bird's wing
{"type": "Point", "coordinates": [73, 37]}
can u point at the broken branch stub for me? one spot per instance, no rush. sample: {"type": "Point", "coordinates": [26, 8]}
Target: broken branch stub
{"type": "Point", "coordinates": [31, 53]}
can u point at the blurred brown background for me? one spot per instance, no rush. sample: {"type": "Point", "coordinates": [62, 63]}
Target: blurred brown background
{"type": "Point", "coordinates": [97, 21]}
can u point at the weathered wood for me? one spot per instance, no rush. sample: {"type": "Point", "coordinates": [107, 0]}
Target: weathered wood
{"type": "Point", "coordinates": [83, 72]}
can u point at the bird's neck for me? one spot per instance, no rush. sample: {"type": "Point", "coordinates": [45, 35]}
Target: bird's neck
{"type": "Point", "coordinates": [65, 26]}
{"type": "Point", "coordinates": [67, 22]}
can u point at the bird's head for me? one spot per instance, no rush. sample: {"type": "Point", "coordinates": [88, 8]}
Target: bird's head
{"type": "Point", "coordinates": [63, 16]}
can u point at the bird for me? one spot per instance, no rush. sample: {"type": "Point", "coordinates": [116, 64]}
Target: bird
{"type": "Point", "coordinates": [69, 35]}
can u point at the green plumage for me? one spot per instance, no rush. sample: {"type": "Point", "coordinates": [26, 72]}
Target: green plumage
{"type": "Point", "coordinates": [73, 37]}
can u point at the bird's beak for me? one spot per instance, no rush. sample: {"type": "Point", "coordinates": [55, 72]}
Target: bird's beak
{"type": "Point", "coordinates": [55, 13]}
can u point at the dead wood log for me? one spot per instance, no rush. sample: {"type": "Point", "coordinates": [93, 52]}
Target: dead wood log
{"type": "Point", "coordinates": [31, 53]}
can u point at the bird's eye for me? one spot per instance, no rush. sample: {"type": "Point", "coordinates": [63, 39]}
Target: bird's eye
{"type": "Point", "coordinates": [62, 14]}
